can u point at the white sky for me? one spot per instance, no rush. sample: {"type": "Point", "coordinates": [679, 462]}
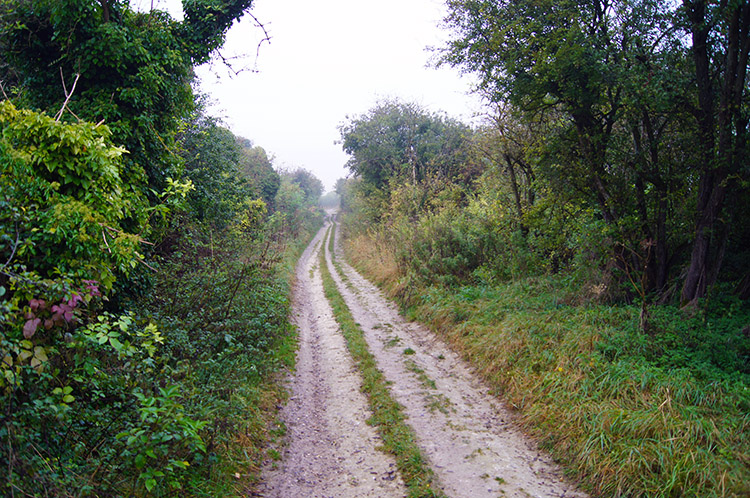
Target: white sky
{"type": "Point", "coordinates": [328, 59]}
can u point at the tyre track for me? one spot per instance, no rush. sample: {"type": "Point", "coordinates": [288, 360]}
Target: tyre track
{"type": "Point", "coordinates": [331, 450]}
{"type": "Point", "coordinates": [466, 434]}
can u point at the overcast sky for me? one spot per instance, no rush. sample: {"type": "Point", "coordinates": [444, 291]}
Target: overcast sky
{"type": "Point", "coordinates": [326, 60]}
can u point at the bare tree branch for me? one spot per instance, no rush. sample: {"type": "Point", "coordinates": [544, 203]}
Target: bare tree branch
{"type": "Point", "coordinates": [228, 61]}
{"type": "Point", "coordinates": [67, 96]}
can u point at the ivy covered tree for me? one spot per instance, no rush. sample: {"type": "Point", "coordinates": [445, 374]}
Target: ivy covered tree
{"type": "Point", "coordinates": [131, 70]}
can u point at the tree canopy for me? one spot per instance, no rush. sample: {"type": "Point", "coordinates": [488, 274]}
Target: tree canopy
{"type": "Point", "coordinates": [648, 105]}
{"type": "Point", "coordinates": [398, 141]}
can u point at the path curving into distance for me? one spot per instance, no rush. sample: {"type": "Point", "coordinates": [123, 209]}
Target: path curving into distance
{"type": "Point", "coordinates": [465, 434]}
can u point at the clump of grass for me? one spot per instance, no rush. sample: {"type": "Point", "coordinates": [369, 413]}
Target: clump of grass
{"type": "Point", "coordinates": [393, 342]}
{"type": "Point", "coordinates": [387, 418]}
{"type": "Point", "coordinates": [435, 401]}
{"type": "Point", "coordinates": [380, 262]}
{"type": "Point", "coordinates": [659, 415]}
{"type": "Point", "coordinates": [424, 379]}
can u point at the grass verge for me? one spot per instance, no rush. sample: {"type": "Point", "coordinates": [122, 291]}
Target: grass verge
{"type": "Point", "coordinates": [387, 418]}
{"type": "Point", "coordinates": [629, 413]}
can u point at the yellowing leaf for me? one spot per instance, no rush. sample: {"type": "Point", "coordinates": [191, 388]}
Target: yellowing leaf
{"type": "Point", "coordinates": [40, 353]}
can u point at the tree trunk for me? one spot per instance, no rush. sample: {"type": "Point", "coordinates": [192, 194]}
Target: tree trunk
{"type": "Point", "coordinates": [514, 188]}
{"type": "Point", "coordinates": [105, 10]}
{"type": "Point", "coordinates": [720, 157]}
{"type": "Point", "coordinates": [662, 251]}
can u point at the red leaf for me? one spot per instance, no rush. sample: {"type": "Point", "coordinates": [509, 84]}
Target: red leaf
{"type": "Point", "coordinates": [62, 311]}
{"type": "Point", "coordinates": [74, 300]}
{"type": "Point", "coordinates": [29, 328]}
{"type": "Point", "coordinates": [37, 304]}
{"type": "Point", "coordinates": [92, 286]}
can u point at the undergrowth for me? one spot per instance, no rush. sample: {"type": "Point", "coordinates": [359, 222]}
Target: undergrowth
{"type": "Point", "coordinates": [223, 309]}
{"type": "Point", "coordinates": [388, 418]}
{"type": "Point", "coordinates": [661, 414]}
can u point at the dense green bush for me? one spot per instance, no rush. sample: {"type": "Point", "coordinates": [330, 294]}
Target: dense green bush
{"type": "Point", "coordinates": [157, 394]}
{"type": "Point", "coordinates": [72, 376]}
{"type": "Point", "coordinates": [713, 342]}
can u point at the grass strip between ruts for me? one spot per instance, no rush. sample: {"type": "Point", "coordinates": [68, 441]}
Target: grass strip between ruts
{"type": "Point", "coordinates": [387, 414]}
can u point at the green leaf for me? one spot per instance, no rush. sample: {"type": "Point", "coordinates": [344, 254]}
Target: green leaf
{"type": "Point", "coordinates": [115, 343]}
{"type": "Point", "coordinates": [150, 484]}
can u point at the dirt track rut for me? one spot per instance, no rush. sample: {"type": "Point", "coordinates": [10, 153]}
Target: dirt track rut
{"type": "Point", "coordinates": [465, 433]}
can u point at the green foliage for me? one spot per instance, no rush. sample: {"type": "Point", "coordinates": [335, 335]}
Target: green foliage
{"type": "Point", "coordinates": [206, 25]}
{"type": "Point", "coordinates": [135, 68]}
{"type": "Point", "coordinates": [212, 163]}
{"type": "Point", "coordinates": [134, 74]}
{"type": "Point", "coordinates": [130, 403]}
{"type": "Point", "coordinates": [68, 372]}
{"type": "Point", "coordinates": [396, 142]}
{"type": "Point", "coordinates": [135, 400]}
{"type": "Point", "coordinates": [296, 200]}
{"type": "Point", "coordinates": [622, 113]}
{"type": "Point", "coordinates": [311, 186]}
{"type": "Point", "coordinates": [63, 200]}
{"type": "Point", "coordinates": [257, 168]}
{"type": "Point", "coordinates": [221, 300]}
{"type": "Point", "coordinates": [712, 343]}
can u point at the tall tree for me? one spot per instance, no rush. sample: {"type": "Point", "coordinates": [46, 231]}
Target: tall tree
{"type": "Point", "coordinates": [650, 118]}
{"type": "Point", "coordinates": [542, 54]}
{"type": "Point", "coordinates": [720, 44]}
{"type": "Point", "coordinates": [309, 183]}
{"type": "Point", "coordinates": [212, 162]}
{"type": "Point", "coordinates": [401, 141]}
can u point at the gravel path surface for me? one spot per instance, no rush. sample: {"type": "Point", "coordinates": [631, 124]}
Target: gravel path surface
{"type": "Point", "coordinates": [465, 433]}
{"type": "Point", "coordinates": [331, 451]}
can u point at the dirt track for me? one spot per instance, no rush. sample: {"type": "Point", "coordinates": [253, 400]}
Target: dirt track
{"type": "Point", "coordinates": [464, 433]}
